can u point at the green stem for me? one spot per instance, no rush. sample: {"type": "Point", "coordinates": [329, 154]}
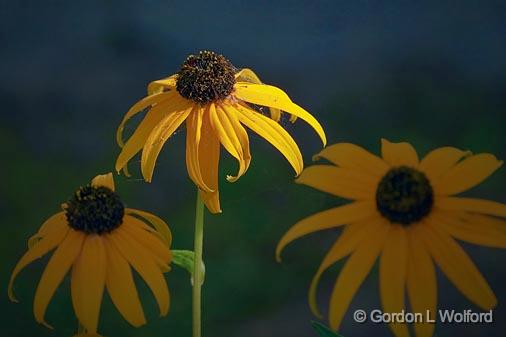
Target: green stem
{"type": "Point", "coordinates": [197, 272]}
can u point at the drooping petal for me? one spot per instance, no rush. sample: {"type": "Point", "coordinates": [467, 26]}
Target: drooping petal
{"type": "Point", "coordinates": [241, 133]}
{"type": "Point", "coordinates": [458, 267]}
{"type": "Point", "coordinates": [139, 107]}
{"type": "Point", "coordinates": [193, 136]}
{"type": "Point", "coordinates": [440, 160]}
{"type": "Point", "coordinates": [271, 96]}
{"type": "Point", "coordinates": [421, 282]}
{"type": "Point", "coordinates": [223, 129]}
{"type": "Point", "coordinates": [467, 174]}
{"type": "Point", "coordinates": [247, 75]}
{"type": "Point", "coordinates": [57, 267]}
{"type": "Point", "coordinates": [397, 154]}
{"type": "Point", "coordinates": [471, 205]}
{"type": "Point", "coordinates": [160, 225]}
{"type": "Point", "coordinates": [160, 134]}
{"type": "Point", "coordinates": [105, 180]}
{"type": "Point", "coordinates": [121, 286]}
{"type": "Point", "coordinates": [138, 139]}
{"type": "Point", "coordinates": [474, 228]}
{"type": "Point", "coordinates": [147, 268]}
{"type": "Point", "coordinates": [342, 182]}
{"type": "Point", "coordinates": [354, 157]}
{"type": "Point", "coordinates": [353, 274]}
{"type": "Point", "coordinates": [274, 134]}
{"type": "Point", "coordinates": [209, 158]}
{"type": "Point", "coordinates": [334, 217]}
{"type": "Point", "coordinates": [51, 234]}
{"type": "Point", "coordinates": [88, 281]}
{"type": "Point", "coordinates": [392, 276]}
{"type": "Point", "coordinates": [168, 83]}
{"type": "Point", "coordinates": [345, 245]}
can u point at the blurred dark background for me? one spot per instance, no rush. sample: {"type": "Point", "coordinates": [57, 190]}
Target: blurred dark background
{"type": "Point", "coordinates": [429, 72]}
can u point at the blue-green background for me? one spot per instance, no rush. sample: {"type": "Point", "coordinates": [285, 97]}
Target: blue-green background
{"type": "Point", "coordinates": [431, 73]}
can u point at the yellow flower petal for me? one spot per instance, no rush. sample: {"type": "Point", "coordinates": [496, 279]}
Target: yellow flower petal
{"type": "Point", "coordinates": [274, 134]}
{"type": "Point", "coordinates": [398, 154]}
{"type": "Point", "coordinates": [353, 274]}
{"type": "Point", "coordinates": [57, 267]}
{"type": "Point", "coordinates": [421, 282]}
{"type": "Point", "coordinates": [51, 234]}
{"type": "Point", "coordinates": [157, 138]}
{"type": "Point", "coordinates": [88, 281]}
{"type": "Point", "coordinates": [139, 107]}
{"type": "Point", "coordinates": [466, 174]}
{"type": "Point", "coordinates": [136, 255]}
{"type": "Point", "coordinates": [474, 228]}
{"type": "Point", "coordinates": [193, 136]}
{"type": "Point", "coordinates": [223, 129]}
{"type": "Point", "coordinates": [392, 275]}
{"type": "Point", "coordinates": [160, 225]}
{"type": "Point", "coordinates": [271, 96]}
{"type": "Point", "coordinates": [247, 75]}
{"type": "Point", "coordinates": [345, 244]}
{"type": "Point", "coordinates": [121, 287]}
{"type": "Point", "coordinates": [105, 180]}
{"type": "Point", "coordinates": [333, 217]}
{"type": "Point", "coordinates": [241, 133]}
{"type": "Point", "coordinates": [440, 160]}
{"type": "Point", "coordinates": [471, 205]}
{"type": "Point", "coordinates": [458, 267]}
{"type": "Point", "coordinates": [354, 157]}
{"type": "Point", "coordinates": [342, 182]}
{"type": "Point", "coordinates": [158, 86]}
{"type": "Point", "coordinates": [141, 134]}
{"type": "Point", "coordinates": [209, 158]}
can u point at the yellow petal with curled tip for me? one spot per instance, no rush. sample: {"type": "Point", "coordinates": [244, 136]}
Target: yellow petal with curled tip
{"type": "Point", "coordinates": [353, 274]}
{"type": "Point", "coordinates": [160, 225]}
{"type": "Point", "coordinates": [342, 182]}
{"type": "Point", "coordinates": [193, 137]}
{"type": "Point", "coordinates": [270, 96]}
{"type": "Point", "coordinates": [121, 287]}
{"type": "Point", "coordinates": [88, 281]}
{"type": "Point", "coordinates": [334, 217]}
{"type": "Point", "coordinates": [159, 86]}
{"type": "Point", "coordinates": [345, 244]}
{"type": "Point", "coordinates": [223, 129]}
{"type": "Point", "coordinates": [241, 133]}
{"type": "Point", "coordinates": [392, 275]}
{"type": "Point", "coordinates": [138, 107]}
{"type": "Point", "coordinates": [147, 268]}
{"type": "Point", "coordinates": [466, 174]}
{"type": "Point", "coordinates": [157, 138]}
{"type": "Point", "coordinates": [51, 234]}
{"type": "Point", "coordinates": [274, 134]}
{"type": "Point", "coordinates": [421, 282]}
{"type": "Point", "coordinates": [471, 205]}
{"type": "Point", "coordinates": [440, 160]}
{"type": "Point", "coordinates": [398, 154]}
{"type": "Point", "coordinates": [105, 180]}
{"type": "Point", "coordinates": [56, 269]}
{"type": "Point", "coordinates": [209, 158]}
{"type": "Point", "coordinates": [458, 267]}
{"type": "Point", "coordinates": [247, 75]}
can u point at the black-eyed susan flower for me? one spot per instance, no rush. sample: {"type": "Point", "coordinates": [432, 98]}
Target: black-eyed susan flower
{"type": "Point", "coordinates": [98, 240]}
{"type": "Point", "coordinates": [405, 213]}
{"type": "Point", "coordinates": [216, 101]}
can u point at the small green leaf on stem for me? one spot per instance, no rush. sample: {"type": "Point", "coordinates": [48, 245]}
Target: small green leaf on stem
{"type": "Point", "coordinates": [185, 259]}
{"type": "Point", "coordinates": [324, 331]}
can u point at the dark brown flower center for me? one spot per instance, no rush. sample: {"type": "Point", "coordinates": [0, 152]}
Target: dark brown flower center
{"type": "Point", "coordinates": [404, 195]}
{"type": "Point", "coordinates": [206, 77]}
{"type": "Point", "coordinates": [94, 210]}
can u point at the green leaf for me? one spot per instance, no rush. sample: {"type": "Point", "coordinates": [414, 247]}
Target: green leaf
{"type": "Point", "coordinates": [185, 259]}
{"type": "Point", "coordinates": [324, 331]}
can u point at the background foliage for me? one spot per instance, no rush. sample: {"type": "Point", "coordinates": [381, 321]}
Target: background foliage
{"type": "Point", "coordinates": [432, 73]}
